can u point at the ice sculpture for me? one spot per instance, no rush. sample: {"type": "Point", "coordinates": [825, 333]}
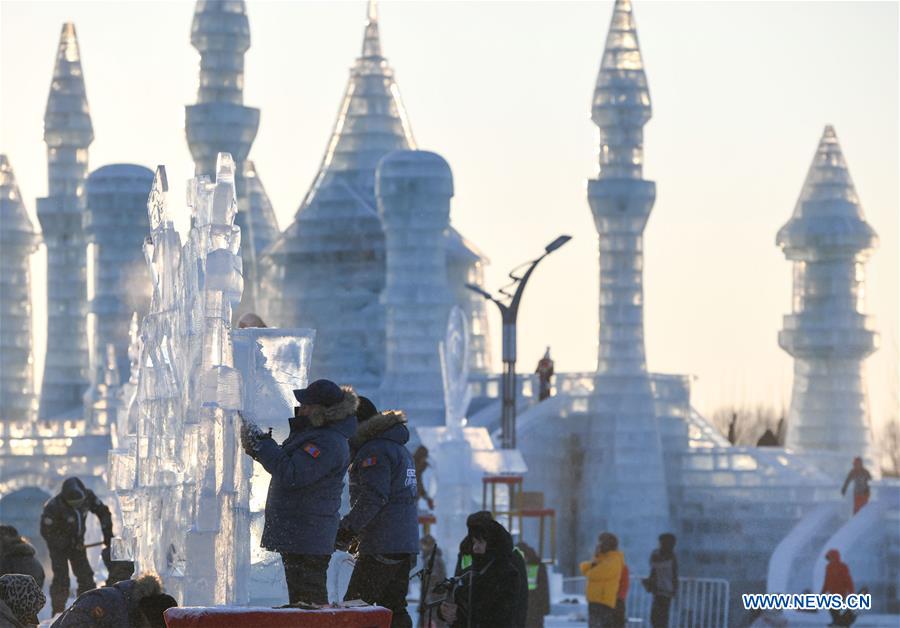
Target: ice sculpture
{"type": "Point", "coordinates": [414, 190]}
{"type": "Point", "coordinates": [828, 334]}
{"type": "Point", "coordinates": [460, 455]}
{"type": "Point", "coordinates": [118, 285]}
{"type": "Point", "coordinates": [220, 122]}
{"type": "Point", "coordinates": [68, 133]}
{"type": "Point", "coordinates": [337, 238]}
{"type": "Point", "coordinates": [452, 457]}
{"type": "Point", "coordinates": [182, 481]}
{"type": "Point", "coordinates": [629, 494]}
{"type": "Point", "coordinates": [18, 240]}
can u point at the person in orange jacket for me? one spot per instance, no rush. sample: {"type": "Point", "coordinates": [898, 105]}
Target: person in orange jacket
{"type": "Point", "coordinates": [837, 580]}
{"type": "Point", "coordinates": [603, 575]}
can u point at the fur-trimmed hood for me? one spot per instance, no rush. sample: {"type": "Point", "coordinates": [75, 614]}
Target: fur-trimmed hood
{"type": "Point", "coordinates": [323, 415]}
{"type": "Point", "coordinates": [378, 425]}
{"type": "Point", "coordinates": [144, 585]}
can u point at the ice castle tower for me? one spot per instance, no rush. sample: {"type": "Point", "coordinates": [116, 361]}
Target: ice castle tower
{"type": "Point", "coordinates": [626, 454]}
{"type": "Point", "coordinates": [18, 240]}
{"type": "Point", "coordinates": [414, 190]}
{"type": "Point", "coordinates": [827, 332]}
{"type": "Point", "coordinates": [220, 122]}
{"type": "Point", "coordinates": [595, 449]}
{"type": "Point", "coordinates": [115, 224]}
{"type": "Point", "coordinates": [68, 133]}
{"type": "Point", "coordinates": [327, 270]}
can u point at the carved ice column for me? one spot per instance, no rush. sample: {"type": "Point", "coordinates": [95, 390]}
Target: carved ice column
{"type": "Point", "coordinates": [414, 190]}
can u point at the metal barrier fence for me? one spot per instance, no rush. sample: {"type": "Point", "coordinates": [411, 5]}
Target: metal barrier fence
{"type": "Point", "coordinates": [700, 603]}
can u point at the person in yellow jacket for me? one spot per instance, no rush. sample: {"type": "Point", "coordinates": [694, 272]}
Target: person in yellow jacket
{"type": "Point", "coordinates": [602, 575]}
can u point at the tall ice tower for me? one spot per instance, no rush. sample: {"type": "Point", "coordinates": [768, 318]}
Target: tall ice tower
{"type": "Point", "coordinates": [629, 493]}
{"type": "Point", "coordinates": [328, 267]}
{"type": "Point", "coordinates": [18, 240]}
{"type": "Point", "coordinates": [827, 333]}
{"type": "Point", "coordinates": [68, 133]}
{"type": "Point", "coordinates": [220, 123]}
{"type": "Point", "coordinates": [414, 190]}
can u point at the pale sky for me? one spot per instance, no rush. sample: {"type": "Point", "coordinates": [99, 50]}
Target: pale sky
{"type": "Point", "coordinates": [741, 93]}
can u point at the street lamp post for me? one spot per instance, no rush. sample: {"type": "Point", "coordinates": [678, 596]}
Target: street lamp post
{"type": "Point", "coordinates": [509, 312]}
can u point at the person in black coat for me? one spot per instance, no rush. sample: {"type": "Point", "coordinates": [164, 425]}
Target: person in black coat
{"type": "Point", "coordinates": [489, 588]}
{"type": "Point", "coordinates": [464, 560]}
{"type": "Point", "coordinates": [304, 500]}
{"type": "Point", "coordinates": [63, 524]}
{"type": "Point", "coordinates": [383, 512]}
{"type": "Point", "coordinates": [17, 555]}
{"type": "Point", "coordinates": [138, 603]}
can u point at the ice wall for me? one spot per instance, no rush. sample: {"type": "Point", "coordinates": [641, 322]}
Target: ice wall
{"type": "Point", "coordinates": [182, 480]}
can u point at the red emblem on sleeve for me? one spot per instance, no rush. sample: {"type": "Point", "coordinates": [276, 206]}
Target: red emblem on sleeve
{"type": "Point", "coordinates": [312, 450]}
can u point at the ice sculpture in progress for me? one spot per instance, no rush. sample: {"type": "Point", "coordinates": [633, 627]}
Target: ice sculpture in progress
{"type": "Point", "coordinates": [828, 334]}
{"type": "Point", "coordinates": [182, 481]}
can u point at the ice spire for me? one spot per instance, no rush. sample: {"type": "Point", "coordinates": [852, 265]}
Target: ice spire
{"type": "Point", "coordinates": [621, 104]}
{"type": "Point", "coordinates": [220, 123]}
{"type": "Point", "coordinates": [628, 456]}
{"type": "Point", "coordinates": [67, 133]}
{"type": "Point", "coordinates": [18, 240]}
{"type": "Point", "coordinates": [372, 39]}
{"type": "Point", "coordinates": [827, 333]}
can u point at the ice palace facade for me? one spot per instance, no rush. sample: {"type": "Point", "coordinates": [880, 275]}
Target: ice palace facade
{"type": "Point", "coordinates": [619, 449]}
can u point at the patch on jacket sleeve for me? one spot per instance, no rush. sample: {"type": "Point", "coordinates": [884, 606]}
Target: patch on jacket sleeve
{"type": "Point", "coordinates": [97, 612]}
{"type": "Point", "coordinates": [371, 461]}
{"type": "Point", "coordinates": [48, 521]}
{"type": "Point", "coordinates": [312, 450]}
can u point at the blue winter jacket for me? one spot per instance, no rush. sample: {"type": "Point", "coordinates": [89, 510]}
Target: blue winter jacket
{"type": "Point", "coordinates": [109, 607]}
{"type": "Point", "coordinates": [304, 500]}
{"type": "Point", "coordinates": [383, 511]}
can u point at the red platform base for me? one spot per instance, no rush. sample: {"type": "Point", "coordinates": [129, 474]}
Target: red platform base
{"type": "Point", "coordinates": [224, 617]}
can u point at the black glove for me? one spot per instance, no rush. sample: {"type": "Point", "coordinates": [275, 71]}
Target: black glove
{"type": "Point", "coordinates": [344, 539]}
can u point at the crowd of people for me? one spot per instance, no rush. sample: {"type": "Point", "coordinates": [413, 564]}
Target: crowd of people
{"type": "Point", "coordinates": [334, 434]}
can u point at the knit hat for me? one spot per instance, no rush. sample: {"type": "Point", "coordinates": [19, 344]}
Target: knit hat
{"type": "Point", "coordinates": [23, 596]}
{"type": "Point", "coordinates": [366, 409]}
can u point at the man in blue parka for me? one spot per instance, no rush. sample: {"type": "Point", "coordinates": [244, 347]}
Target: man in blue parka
{"type": "Point", "coordinates": [127, 604]}
{"type": "Point", "coordinates": [304, 500]}
{"type": "Point", "coordinates": [383, 513]}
